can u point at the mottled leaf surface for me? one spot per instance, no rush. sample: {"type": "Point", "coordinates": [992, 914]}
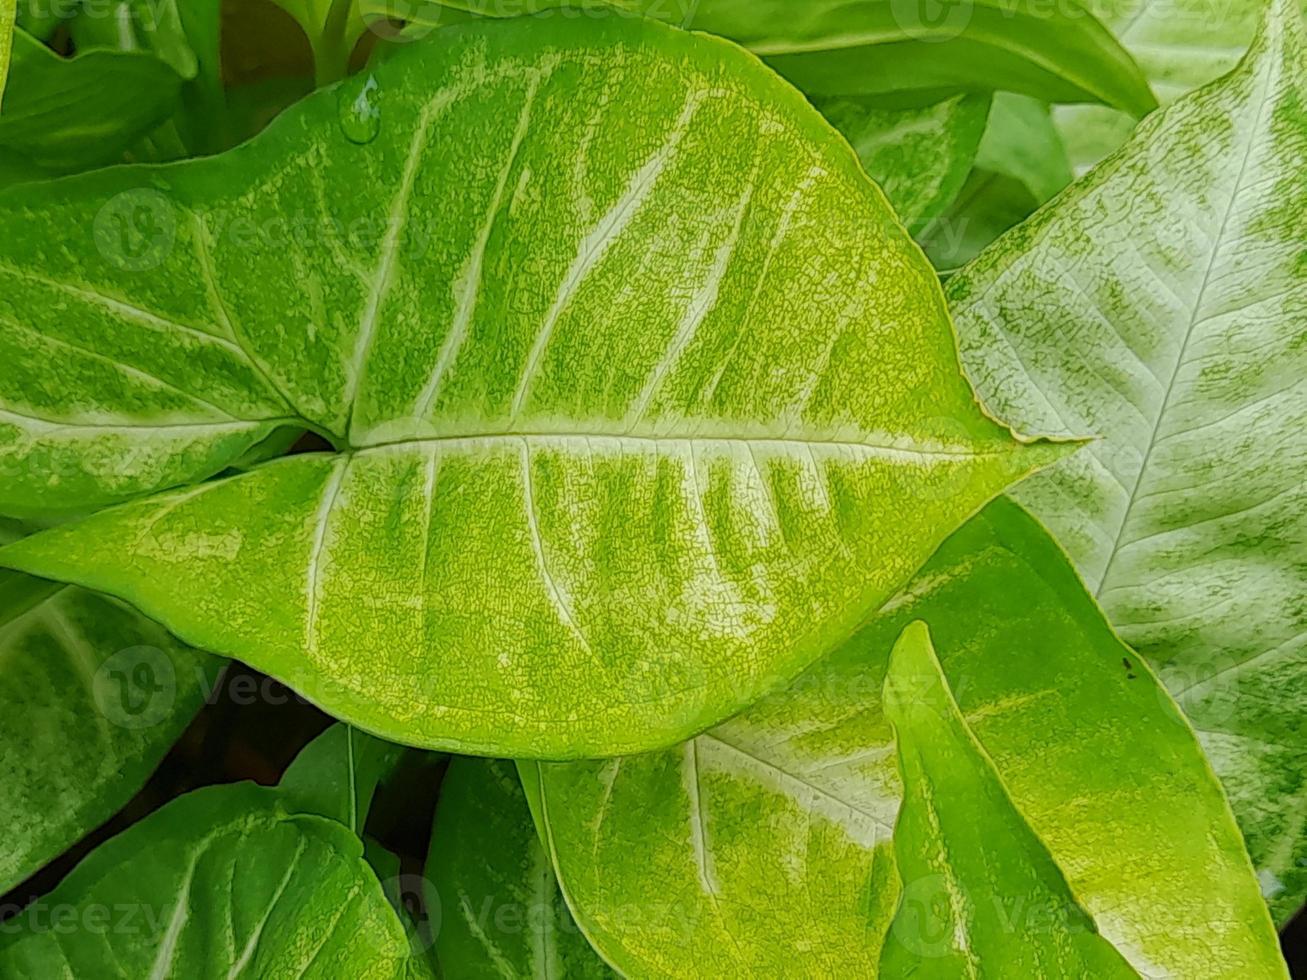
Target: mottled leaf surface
{"type": "Point", "coordinates": [92, 695]}
{"type": "Point", "coordinates": [8, 10]}
{"type": "Point", "coordinates": [1178, 44]}
{"type": "Point", "coordinates": [1161, 303]}
{"type": "Point", "coordinates": [220, 883]}
{"type": "Point", "coordinates": [764, 847]}
{"type": "Point", "coordinates": [502, 915]}
{"type": "Point", "coordinates": [638, 412]}
{"type": "Point", "coordinates": [982, 895]}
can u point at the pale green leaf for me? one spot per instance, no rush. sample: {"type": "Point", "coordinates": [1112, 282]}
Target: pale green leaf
{"type": "Point", "coordinates": [1021, 142]}
{"type": "Point", "coordinates": [1179, 47]}
{"type": "Point", "coordinates": [920, 157]}
{"type": "Point", "coordinates": [337, 774]}
{"type": "Point", "coordinates": [220, 883]}
{"type": "Point", "coordinates": [1161, 303]}
{"type": "Point", "coordinates": [652, 403]}
{"type": "Point", "coordinates": [92, 696]}
{"type": "Point", "coordinates": [501, 913]}
{"type": "Point", "coordinates": [982, 897]}
{"type": "Point", "coordinates": [766, 843]}
{"type": "Point", "coordinates": [874, 47]}
{"type": "Point", "coordinates": [989, 204]}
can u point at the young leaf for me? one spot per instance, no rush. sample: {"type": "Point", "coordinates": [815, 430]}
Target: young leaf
{"type": "Point", "coordinates": [834, 48]}
{"type": "Point", "coordinates": [92, 696]}
{"type": "Point", "coordinates": [502, 914]}
{"type": "Point", "coordinates": [665, 403]}
{"type": "Point", "coordinates": [920, 156]}
{"type": "Point", "coordinates": [337, 774]}
{"type": "Point", "coordinates": [222, 882]}
{"type": "Point", "coordinates": [1001, 906]}
{"type": "Point", "coordinates": [1159, 303]}
{"type": "Point", "coordinates": [155, 26]}
{"type": "Point", "coordinates": [770, 836]}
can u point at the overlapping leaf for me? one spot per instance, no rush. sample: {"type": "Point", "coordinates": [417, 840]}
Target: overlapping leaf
{"type": "Point", "coordinates": [501, 912]}
{"type": "Point", "coordinates": [831, 48]}
{"type": "Point", "coordinates": [1161, 303]}
{"type": "Point", "coordinates": [639, 411]}
{"type": "Point", "coordinates": [982, 895]}
{"type": "Point", "coordinates": [91, 697]}
{"type": "Point", "coordinates": [766, 842]}
{"type": "Point", "coordinates": [220, 883]}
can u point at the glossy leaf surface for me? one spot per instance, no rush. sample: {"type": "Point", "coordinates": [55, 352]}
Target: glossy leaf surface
{"type": "Point", "coordinates": [983, 897]}
{"type": "Point", "coordinates": [502, 914]}
{"type": "Point", "coordinates": [92, 695]}
{"type": "Point", "coordinates": [654, 415]}
{"type": "Point", "coordinates": [220, 883]}
{"type": "Point", "coordinates": [1160, 304]}
{"type": "Point", "coordinates": [769, 838]}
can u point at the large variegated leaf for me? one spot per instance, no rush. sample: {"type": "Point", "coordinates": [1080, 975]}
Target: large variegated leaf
{"type": "Point", "coordinates": [763, 847]}
{"type": "Point", "coordinates": [982, 897]}
{"type": "Point", "coordinates": [501, 912]}
{"type": "Point", "coordinates": [1162, 304]}
{"type": "Point", "coordinates": [222, 883]}
{"type": "Point", "coordinates": [875, 47]}
{"type": "Point", "coordinates": [639, 411]}
{"type": "Point", "coordinates": [91, 697]}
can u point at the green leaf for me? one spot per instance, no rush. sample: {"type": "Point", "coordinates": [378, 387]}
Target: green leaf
{"type": "Point", "coordinates": [65, 115]}
{"type": "Point", "coordinates": [219, 883]}
{"type": "Point", "coordinates": [875, 47]}
{"type": "Point", "coordinates": [988, 205]}
{"type": "Point", "coordinates": [1021, 142]}
{"type": "Point", "coordinates": [502, 914]}
{"type": "Point", "coordinates": [769, 837]}
{"type": "Point", "coordinates": [982, 895]}
{"type": "Point", "coordinates": [337, 774]}
{"type": "Point", "coordinates": [8, 10]}
{"type": "Point", "coordinates": [1160, 304]}
{"type": "Point", "coordinates": [153, 26]}
{"type": "Point", "coordinates": [92, 696]}
{"type": "Point", "coordinates": [569, 517]}
{"type": "Point", "coordinates": [1179, 47]}
{"type": "Point", "coordinates": [920, 157]}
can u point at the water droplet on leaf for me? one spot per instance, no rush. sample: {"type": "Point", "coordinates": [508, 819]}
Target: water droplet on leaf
{"type": "Point", "coordinates": [359, 105]}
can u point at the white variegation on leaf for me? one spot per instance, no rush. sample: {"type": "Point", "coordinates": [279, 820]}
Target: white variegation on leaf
{"type": "Point", "coordinates": [1161, 303]}
{"type": "Point", "coordinates": [767, 841]}
{"type": "Point", "coordinates": [638, 409]}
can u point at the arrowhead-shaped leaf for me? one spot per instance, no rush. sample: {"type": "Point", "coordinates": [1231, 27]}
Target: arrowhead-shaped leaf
{"type": "Point", "coordinates": [1161, 303]}
{"type": "Point", "coordinates": [221, 883]}
{"type": "Point", "coordinates": [769, 837]}
{"type": "Point", "coordinates": [501, 911]}
{"type": "Point", "coordinates": [638, 411]}
{"type": "Point", "coordinates": [92, 695]}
